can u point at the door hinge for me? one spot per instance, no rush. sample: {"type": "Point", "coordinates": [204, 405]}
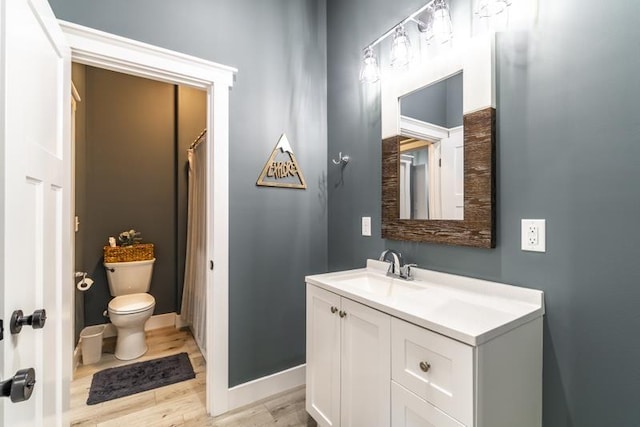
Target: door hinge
{"type": "Point", "coordinates": [440, 162]}
{"type": "Point", "coordinates": [1, 330]}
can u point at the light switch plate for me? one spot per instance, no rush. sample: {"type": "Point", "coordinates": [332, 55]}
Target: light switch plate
{"type": "Point", "coordinates": [533, 235]}
{"type": "Point", "coordinates": [366, 226]}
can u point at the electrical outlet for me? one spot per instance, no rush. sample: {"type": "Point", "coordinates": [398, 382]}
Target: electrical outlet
{"type": "Point", "coordinates": [533, 235]}
{"type": "Point", "coordinates": [366, 226]}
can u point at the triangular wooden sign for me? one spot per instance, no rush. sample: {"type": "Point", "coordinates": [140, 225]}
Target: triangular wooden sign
{"type": "Point", "coordinates": [279, 173]}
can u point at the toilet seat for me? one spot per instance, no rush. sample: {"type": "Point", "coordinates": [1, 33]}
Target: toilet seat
{"type": "Point", "coordinates": [132, 303]}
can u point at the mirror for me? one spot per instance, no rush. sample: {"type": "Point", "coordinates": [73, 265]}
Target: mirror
{"type": "Point", "coordinates": [438, 156]}
{"type": "Point", "coordinates": [431, 164]}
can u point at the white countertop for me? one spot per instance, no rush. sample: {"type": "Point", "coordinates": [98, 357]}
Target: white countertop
{"type": "Point", "coordinates": [469, 310]}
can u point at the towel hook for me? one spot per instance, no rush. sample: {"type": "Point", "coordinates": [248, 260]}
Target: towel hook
{"type": "Point", "coordinates": [341, 159]}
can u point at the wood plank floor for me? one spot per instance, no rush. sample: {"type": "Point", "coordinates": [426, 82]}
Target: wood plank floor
{"type": "Point", "coordinates": [181, 404]}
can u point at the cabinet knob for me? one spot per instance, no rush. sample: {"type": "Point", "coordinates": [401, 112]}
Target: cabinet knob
{"type": "Point", "coordinates": [334, 309]}
{"type": "Point", "coordinates": [343, 313]}
{"type": "Point", "coordinates": [424, 366]}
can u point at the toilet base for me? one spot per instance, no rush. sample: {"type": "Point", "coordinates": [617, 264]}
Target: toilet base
{"type": "Point", "coordinates": [130, 343]}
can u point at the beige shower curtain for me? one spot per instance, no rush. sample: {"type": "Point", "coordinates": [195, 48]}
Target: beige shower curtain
{"type": "Point", "coordinates": [194, 291]}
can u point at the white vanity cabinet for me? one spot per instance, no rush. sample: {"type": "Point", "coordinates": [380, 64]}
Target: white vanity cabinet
{"type": "Point", "coordinates": [437, 381]}
{"type": "Point", "coordinates": [443, 351]}
{"type": "Point", "coordinates": [348, 361]}
{"type": "Point", "coordinates": [436, 369]}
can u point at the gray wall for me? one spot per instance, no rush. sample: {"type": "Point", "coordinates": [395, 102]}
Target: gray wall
{"type": "Point", "coordinates": [130, 180]}
{"type": "Point", "coordinates": [568, 149]}
{"type": "Point", "coordinates": [439, 104]}
{"type": "Point", "coordinates": [454, 100]}
{"type": "Point", "coordinates": [277, 236]}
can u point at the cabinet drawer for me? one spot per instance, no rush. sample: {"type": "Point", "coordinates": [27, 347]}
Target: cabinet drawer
{"type": "Point", "coordinates": [435, 368]}
{"type": "Point", "coordinates": [408, 410]}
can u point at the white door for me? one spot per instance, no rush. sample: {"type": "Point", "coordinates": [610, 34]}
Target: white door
{"type": "Point", "coordinates": [323, 356]}
{"type": "Point", "coordinates": [366, 366]}
{"type": "Point", "coordinates": [452, 175]}
{"type": "Point", "coordinates": [405, 189]}
{"type": "Point", "coordinates": [35, 268]}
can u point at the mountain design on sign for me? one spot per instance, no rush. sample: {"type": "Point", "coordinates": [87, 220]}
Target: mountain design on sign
{"type": "Point", "coordinates": [282, 170]}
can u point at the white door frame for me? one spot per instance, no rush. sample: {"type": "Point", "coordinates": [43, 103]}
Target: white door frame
{"type": "Point", "coordinates": [104, 50]}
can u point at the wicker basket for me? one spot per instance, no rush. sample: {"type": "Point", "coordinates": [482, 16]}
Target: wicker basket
{"type": "Point", "coordinates": [137, 252]}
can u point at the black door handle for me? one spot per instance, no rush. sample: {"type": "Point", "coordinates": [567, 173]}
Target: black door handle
{"type": "Point", "coordinates": [35, 320]}
{"type": "Point", "coordinates": [20, 387]}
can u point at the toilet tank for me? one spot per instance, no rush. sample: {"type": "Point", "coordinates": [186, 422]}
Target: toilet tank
{"type": "Point", "coordinates": [132, 277]}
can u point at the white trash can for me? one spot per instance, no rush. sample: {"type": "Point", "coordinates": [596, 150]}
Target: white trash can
{"type": "Point", "coordinates": [91, 342]}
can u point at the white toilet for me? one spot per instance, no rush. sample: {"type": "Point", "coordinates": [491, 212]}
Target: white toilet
{"type": "Point", "coordinates": [129, 283]}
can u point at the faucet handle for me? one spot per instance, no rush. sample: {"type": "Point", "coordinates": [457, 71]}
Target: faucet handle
{"type": "Point", "coordinates": [405, 271]}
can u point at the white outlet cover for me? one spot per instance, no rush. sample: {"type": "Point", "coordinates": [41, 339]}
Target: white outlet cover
{"type": "Point", "coordinates": [533, 235]}
{"type": "Point", "coordinates": [366, 226]}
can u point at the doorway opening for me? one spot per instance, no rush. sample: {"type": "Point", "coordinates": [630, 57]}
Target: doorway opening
{"type": "Point", "coordinates": [139, 149]}
{"type": "Point", "coordinates": [132, 137]}
{"type": "Point", "coordinates": [103, 50]}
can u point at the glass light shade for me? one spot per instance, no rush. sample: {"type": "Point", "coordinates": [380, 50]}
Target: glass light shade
{"type": "Point", "coordinates": [425, 24]}
{"type": "Point", "coordinates": [400, 48]}
{"type": "Point", "coordinates": [442, 27]}
{"type": "Point", "coordinates": [369, 73]}
{"type": "Point", "coordinates": [491, 8]}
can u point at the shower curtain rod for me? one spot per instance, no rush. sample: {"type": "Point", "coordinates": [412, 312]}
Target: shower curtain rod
{"type": "Point", "coordinates": [198, 140]}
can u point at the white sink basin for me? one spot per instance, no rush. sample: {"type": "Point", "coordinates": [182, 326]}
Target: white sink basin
{"type": "Point", "coordinates": [467, 309]}
{"type": "Point", "coordinates": [375, 284]}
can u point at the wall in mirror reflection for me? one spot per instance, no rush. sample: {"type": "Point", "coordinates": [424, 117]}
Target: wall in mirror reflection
{"type": "Point", "coordinates": [432, 152]}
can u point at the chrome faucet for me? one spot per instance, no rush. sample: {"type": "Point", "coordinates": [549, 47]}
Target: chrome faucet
{"type": "Point", "coordinates": [396, 266]}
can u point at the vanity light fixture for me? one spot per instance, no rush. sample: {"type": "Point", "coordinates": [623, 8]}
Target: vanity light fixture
{"type": "Point", "coordinates": [369, 73]}
{"type": "Point", "coordinates": [491, 8]}
{"type": "Point", "coordinates": [400, 48]}
{"type": "Point", "coordinates": [436, 23]}
{"type": "Point", "coordinates": [442, 28]}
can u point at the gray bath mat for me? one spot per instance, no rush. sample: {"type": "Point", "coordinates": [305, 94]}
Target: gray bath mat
{"type": "Point", "coordinates": [126, 380]}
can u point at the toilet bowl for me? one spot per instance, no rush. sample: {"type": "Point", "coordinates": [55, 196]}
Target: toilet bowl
{"type": "Point", "coordinates": [132, 305]}
{"type": "Point", "coordinates": [129, 313]}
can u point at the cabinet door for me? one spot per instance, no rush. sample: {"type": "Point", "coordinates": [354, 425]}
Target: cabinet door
{"type": "Point", "coordinates": [366, 366]}
{"type": "Point", "coordinates": [323, 356]}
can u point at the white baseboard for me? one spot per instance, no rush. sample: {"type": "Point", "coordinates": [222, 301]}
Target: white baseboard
{"type": "Point", "coordinates": [180, 323]}
{"type": "Point", "coordinates": [109, 331]}
{"type": "Point", "coordinates": [252, 391]}
{"type": "Point", "coordinates": [160, 321]}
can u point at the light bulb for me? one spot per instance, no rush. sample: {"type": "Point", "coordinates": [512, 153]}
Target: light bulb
{"type": "Point", "coordinates": [369, 73]}
{"type": "Point", "coordinates": [400, 48]}
{"type": "Point", "coordinates": [442, 27]}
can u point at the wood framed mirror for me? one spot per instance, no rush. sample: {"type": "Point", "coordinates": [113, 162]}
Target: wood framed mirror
{"type": "Point", "coordinates": [438, 161]}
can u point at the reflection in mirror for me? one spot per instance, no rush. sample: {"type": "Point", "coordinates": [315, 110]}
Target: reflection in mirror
{"type": "Point", "coordinates": [431, 167]}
